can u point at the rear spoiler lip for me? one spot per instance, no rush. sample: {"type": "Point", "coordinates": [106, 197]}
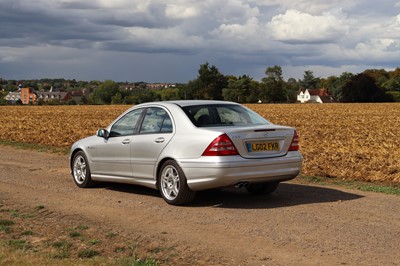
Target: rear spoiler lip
{"type": "Point", "coordinates": [265, 130]}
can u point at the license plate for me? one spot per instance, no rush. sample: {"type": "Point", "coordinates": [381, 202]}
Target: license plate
{"type": "Point", "coordinates": [263, 146]}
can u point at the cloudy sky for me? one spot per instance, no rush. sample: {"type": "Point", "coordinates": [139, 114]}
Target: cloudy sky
{"type": "Point", "coordinates": [167, 41]}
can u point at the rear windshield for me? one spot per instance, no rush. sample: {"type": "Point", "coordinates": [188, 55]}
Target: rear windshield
{"type": "Point", "coordinates": [216, 115]}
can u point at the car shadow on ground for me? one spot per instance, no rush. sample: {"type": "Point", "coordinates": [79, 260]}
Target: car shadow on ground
{"type": "Point", "coordinates": [287, 194]}
{"type": "Point", "coordinates": [130, 189]}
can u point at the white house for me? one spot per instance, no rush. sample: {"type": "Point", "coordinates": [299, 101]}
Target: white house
{"type": "Point", "coordinates": [13, 97]}
{"type": "Point", "coordinates": [314, 96]}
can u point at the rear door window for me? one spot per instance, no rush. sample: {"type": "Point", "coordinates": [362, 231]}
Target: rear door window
{"type": "Point", "coordinates": [156, 120]}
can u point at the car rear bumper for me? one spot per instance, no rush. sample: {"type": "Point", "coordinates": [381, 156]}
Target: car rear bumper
{"type": "Point", "coordinates": [214, 172]}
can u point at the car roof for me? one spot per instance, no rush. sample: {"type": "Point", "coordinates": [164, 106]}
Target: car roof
{"type": "Point", "coordinates": [184, 103]}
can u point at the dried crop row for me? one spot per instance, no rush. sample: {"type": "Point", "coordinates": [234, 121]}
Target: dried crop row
{"type": "Point", "coordinates": [54, 125]}
{"type": "Point", "coordinates": [349, 141]}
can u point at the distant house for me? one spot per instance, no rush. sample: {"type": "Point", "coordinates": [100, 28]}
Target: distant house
{"type": "Point", "coordinates": [13, 97]}
{"type": "Point", "coordinates": [27, 96]}
{"type": "Point", "coordinates": [77, 96]}
{"type": "Point", "coordinates": [60, 96]}
{"type": "Point", "coordinates": [314, 96]}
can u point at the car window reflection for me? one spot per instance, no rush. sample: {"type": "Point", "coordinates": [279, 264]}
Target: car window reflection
{"type": "Point", "coordinates": [127, 124]}
{"type": "Point", "coordinates": [156, 120]}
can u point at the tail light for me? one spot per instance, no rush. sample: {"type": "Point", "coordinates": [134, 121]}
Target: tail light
{"type": "Point", "coordinates": [294, 146]}
{"type": "Point", "coordinates": [221, 146]}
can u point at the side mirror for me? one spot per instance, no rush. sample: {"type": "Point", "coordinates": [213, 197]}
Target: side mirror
{"type": "Point", "coordinates": [102, 133]}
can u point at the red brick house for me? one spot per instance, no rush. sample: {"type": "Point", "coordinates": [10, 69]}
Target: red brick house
{"type": "Point", "coordinates": [27, 96]}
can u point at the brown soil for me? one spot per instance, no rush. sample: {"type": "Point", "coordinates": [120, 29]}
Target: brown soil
{"type": "Point", "coordinates": [297, 225]}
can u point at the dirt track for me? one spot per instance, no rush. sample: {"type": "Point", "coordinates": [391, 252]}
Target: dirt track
{"type": "Point", "coordinates": [296, 225]}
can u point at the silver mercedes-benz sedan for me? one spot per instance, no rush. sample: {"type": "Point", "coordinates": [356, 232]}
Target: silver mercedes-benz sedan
{"type": "Point", "coordinates": [180, 147]}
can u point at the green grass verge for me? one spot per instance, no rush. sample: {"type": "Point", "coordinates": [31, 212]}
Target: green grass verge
{"type": "Point", "coordinates": [16, 247]}
{"type": "Point", "coordinates": [35, 146]}
{"type": "Point", "coordinates": [379, 187]}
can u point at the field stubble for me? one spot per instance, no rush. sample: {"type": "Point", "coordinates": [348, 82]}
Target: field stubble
{"type": "Point", "coordinates": [347, 141]}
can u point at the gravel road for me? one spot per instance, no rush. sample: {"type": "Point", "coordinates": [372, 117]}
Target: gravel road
{"type": "Point", "coordinates": [297, 225]}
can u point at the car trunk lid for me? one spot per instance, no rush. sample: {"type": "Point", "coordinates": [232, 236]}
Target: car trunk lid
{"type": "Point", "coordinates": [263, 141]}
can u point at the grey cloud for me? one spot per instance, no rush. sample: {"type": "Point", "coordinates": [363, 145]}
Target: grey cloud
{"type": "Point", "coordinates": [89, 5]}
{"type": "Point", "coordinates": [239, 36]}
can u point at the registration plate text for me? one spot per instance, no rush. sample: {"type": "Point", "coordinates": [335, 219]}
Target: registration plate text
{"type": "Point", "coordinates": [263, 146]}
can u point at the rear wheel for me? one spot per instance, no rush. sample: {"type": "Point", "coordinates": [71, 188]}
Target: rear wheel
{"type": "Point", "coordinates": [81, 170]}
{"type": "Point", "coordinates": [173, 184]}
{"type": "Point", "coordinates": [263, 188]}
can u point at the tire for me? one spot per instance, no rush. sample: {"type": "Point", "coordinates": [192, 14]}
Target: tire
{"type": "Point", "coordinates": [264, 188]}
{"type": "Point", "coordinates": [173, 184]}
{"type": "Point", "coordinates": [81, 170]}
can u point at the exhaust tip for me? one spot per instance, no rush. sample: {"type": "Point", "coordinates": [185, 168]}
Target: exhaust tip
{"type": "Point", "coordinates": [241, 184]}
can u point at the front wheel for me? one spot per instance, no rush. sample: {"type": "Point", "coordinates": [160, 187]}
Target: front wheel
{"type": "Point", "coordinates": [263, 188]}
{"type": "Point", "coordinates": [81, 170]}
{"type": "Point", "coordinates": [173, 184]}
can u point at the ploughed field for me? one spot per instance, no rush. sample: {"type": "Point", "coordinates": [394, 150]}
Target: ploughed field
{"type": "Point", "coordinates": [347, 141]}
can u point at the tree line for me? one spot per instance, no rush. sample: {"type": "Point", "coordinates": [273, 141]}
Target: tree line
{"type": "Point", "coordinates": [372, 85]}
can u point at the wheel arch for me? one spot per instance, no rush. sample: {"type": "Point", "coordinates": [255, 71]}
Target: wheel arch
{"type": "Point", "coordinates": [158, 170]}
{"type": "Point", "coordinates": [71, 161]}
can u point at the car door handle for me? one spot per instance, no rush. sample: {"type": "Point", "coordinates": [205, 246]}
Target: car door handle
{"type": "Point", "coordinates": [126, 141]}
{"type": "Point", "coordinates": [159, 140]}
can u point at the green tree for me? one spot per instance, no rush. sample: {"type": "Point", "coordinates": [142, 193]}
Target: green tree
{"type": "Point", "coordinates": [169, 94]}
{"type": "Point", "coordinates": [292, 88]}
{"type": "Point", "coordinates": [392, 84]}
{"type": "Point", "coordinates": [209, 84]}
{"type": "Point", "coordinates": [84, 100]}
{"type": "Point", "coordinates": [395, 73]}
{"type": "Point", "coordinates": [2, 95]}
{"type": "Point", "coordinates": [191, 90]}
{"type": "Point", "coordinates": [141, 95]}
{"type": "Point", "coordinates": [104, 93]}
{"type": "Point", "coordinates": [117, 98]}
{"type": "Point", "coordinates": [362, 88]}
{"type": "Point", "coordinates": [335, 85]}
{"type": "Point", "coordinates": [238, 90]}
{"type": "Point", "coordinates": [274, 85]}
{"type": "Point", "coordinates": [309, 81]}
{"type": "Point", "coordinates": [253, 94]}
{"type": "Point", "coordinates": [380, 76]}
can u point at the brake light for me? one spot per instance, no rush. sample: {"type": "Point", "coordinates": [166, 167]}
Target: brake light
{"type": "Point", "coordinates": [221, 146]}
{"type": "Point", "coordinates": [294, 146]}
